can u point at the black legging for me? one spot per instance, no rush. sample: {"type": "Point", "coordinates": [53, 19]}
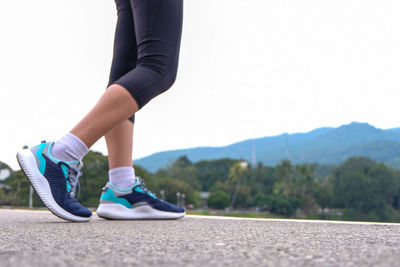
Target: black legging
{"type": "Point", "coordinates": [146, 47]}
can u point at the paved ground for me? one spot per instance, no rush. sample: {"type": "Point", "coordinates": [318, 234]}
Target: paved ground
{"type": "Point", "coordinates": [41, 239]}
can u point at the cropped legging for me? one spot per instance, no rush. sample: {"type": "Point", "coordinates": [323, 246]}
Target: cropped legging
{"type": "Point", "coordinates": [146, 47]}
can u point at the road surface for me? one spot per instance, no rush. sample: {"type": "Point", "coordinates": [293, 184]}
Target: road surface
{"type": "Point", "coordinates": [38, 238]}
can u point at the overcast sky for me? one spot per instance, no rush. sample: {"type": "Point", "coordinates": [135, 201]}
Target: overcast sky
{"type": "Point", "coordinates": [248, 69]}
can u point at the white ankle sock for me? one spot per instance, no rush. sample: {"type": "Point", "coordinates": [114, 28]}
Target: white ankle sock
{"type": "Point", "coordinates": [122, 177]}
{"type": "Point", "coordinates": [69, 148]}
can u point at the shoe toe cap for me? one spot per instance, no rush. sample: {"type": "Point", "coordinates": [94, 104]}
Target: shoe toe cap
{"type": "Point", "coordinates": [77, 209]}
{"type": "Point", "coordinates": [166, 206]}
{"type": "Point", "coordinates": [83, 212]}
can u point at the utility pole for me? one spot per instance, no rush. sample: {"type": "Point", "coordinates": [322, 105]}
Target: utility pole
{"type": "Point", "coordinates": [30, 197]}
{"type": "Point", "coordinates": [178, 196]}
{"type": "Point", "coordinates": [236, 173]}
{"type": "Point", "coordinates": [183, 200]}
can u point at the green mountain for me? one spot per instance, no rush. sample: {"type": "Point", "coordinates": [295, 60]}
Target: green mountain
{"type": "Point", "coordinates": [324, 145]}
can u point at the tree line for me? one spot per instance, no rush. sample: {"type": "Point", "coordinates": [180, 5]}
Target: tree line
{"type": "Point", "coordinates": [359, 188]}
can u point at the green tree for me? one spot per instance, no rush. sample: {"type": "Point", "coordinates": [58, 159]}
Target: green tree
{"type": "Point", "coordinates": [183, 170]}
{"type": "Point", "coordinates": [4, 166]}
{"type": "Point", "coordinates": [363, 184]}
{"type": "Point", "coordinates": [284, 174]}
{"type": "Point", "coordinates": [218, 200]}
{"type": "Point", "coordinates": [303, 184]}
{"type": "Point", "coordinates": [282, 204]}
{"type": "Point", "coordinates": [297, 183]}
{"type": "Point", "coordinates": [237, 174]}
{"type": "Point", "coordinates": [172, 186]}
{"type": "Point", "coordinates": [324, 192]}
{"type": "Point", "coordinates": [17, 193]}
{"type": "Point", "coordinates": [94, 178]}
{"type": "Point", "coordinates": [264, 179]}
{"type": "Point", "coordinates": [208, 172]}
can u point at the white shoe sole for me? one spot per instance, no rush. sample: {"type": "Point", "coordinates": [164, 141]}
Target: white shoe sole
{"type": "Point", "coordinates": [144, 212]}
{"type": "Point", "coordinates": [28, 165]}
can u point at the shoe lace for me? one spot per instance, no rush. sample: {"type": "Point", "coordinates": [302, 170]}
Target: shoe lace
{"type": "Point", "coordinates": [73, 178]}
{"type": "Point", "coordinates": [142, 185]}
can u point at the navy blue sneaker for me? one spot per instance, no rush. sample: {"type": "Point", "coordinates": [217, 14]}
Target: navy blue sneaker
{"type": "Point", "coordinates": [135, 203]}
{"type": "Point", "coordinates": [55, 181]}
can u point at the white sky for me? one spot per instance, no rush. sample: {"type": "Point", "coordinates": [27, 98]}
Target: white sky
{"type": "Point", "coordinates": [248, 69]}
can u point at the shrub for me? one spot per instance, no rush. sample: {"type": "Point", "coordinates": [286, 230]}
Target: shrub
{"type": "Point", "coordinates": [219, 200]}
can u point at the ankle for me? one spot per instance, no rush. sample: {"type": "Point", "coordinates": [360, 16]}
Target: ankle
{"type": "Point", "coordinates": [122, 177]}
{"type": "Point", "coordinates": [69, 148]}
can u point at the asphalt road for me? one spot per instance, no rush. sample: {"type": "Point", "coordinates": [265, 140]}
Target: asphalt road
{"type": "Point", "coordinates": [29, 238]}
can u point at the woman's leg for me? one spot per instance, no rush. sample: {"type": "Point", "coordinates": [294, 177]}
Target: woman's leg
{"type": "Point", "coordinates": [125, 46]}
{"type": "Point", "coordinates": [119, 139]}
{"type": "Point", "coordinates": [158, 27]}
{"type": "Point", "coordinates": [124, 60]}
{"type": "Point", "coordinates": [119, 145]}
{"type": "Point", "coordinates": [114, 107]}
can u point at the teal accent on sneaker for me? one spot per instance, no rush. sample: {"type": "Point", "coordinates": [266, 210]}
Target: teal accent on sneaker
{"type": "Point", "coordinates": [110, 196]}
{"type": "Point", "coordinates": [152, 195]}
{"type": "Point", "coordinates": [65, 171]}
{"type": "Point", "coordinates": [42, 160]}
{"type": "Point", "coordinates": [49, 153]}
{"type": "Point", "coordinates": [119, 189]}
{"type": "Point", "coordinates": [140, 190]}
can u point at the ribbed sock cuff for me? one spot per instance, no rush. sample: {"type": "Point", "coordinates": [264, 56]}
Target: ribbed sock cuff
{"type": "Point", "coordinates": [122, 177]}
{"type": "Point", "coordinates": [69, 148]}
{"type": "Point", "coordinates": [74, 146]}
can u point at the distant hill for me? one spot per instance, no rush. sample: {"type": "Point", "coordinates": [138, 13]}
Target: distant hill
{"type": "Point", "coordinates": [324, 145]}
{"type": "Point", "coordinates": [395, 130]}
